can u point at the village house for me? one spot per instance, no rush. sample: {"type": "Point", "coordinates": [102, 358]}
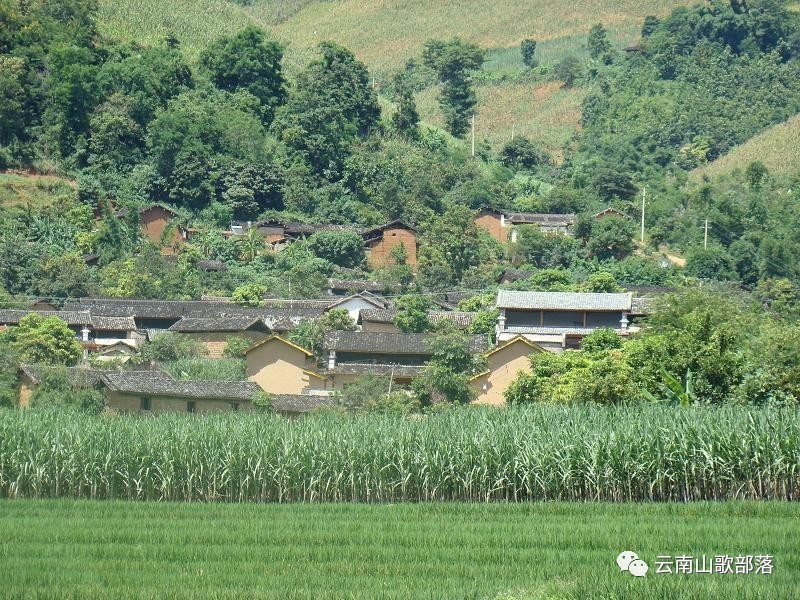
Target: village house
{"type": "Point", "coordinates": [401, 356]}
{"type": "Point", "coordinates": [382, 320]}
{"type": "Point", "coordinates": [378, 241]}
{"type": "Point", "coordinates": [157, 392]}
{"type": "Point", "coordinates": [214, 332]}
{"type": "Point", "coordinates": [94, 332]}
{"type": "Point", "coordinates": [31, 376]}
{"type": "Point", "coordinates": [500, 224]}
{"type": "Point", "coordinates": [154, 221]}
{"type": "Point", "coordinates": [280, 367]}
{"type": "Point", "coordinates": [504, 364]}
{"type": "Point", "coordinates": [559, 320]}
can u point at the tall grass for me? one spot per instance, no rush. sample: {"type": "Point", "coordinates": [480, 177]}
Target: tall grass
{"type": "Point", "coordinates": [539, 453]}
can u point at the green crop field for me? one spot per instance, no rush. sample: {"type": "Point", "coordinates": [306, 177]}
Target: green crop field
{"type": "Point", "coordinates": [777, 148]}
{"type": "Point", "coordinates": [535, 453]}
{"type": "Point", "coordinates": [37, 190]}
{"type": "Point", "coordinates": [84, 549]}
{"type": "Point", "coordinates": [385, 34]}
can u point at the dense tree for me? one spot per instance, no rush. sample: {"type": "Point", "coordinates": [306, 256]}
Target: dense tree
{"type": "Point", "coordinates": [528, 50]}
{"type": "Point", "coordinates": [611, 238]}
{"type": "Point", "coordinates": [454, 62]}
{"type": "Point", "coordinates": [311, 334]}
{"type": "Point", "coordinates": [45, 340]}
{"type": "Point", "coordinates": [405, 120]}
{"type": "Point", "coordinates": [341, 247]}
{"type": "Point", "coordinates": [521, 153]}
{"type": "Point", "coordinates": [247, 61]}
{"type": "Point", "coordinates": [598, 44]}
{"type": "Point", "coordinates": [412, 313]}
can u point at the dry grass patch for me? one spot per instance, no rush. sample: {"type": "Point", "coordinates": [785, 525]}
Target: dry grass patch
{"type": "Point", "coordinates": [17, 189]}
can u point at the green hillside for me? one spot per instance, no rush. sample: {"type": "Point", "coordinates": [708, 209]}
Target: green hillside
{"type": "Point", "coordinates": [37, 190]}
{"type": "Point", "coordinates": [776, 147]}
{"type": "Point", "coordinates": [385, 34]}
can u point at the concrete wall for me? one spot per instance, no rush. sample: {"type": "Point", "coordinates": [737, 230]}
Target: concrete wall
{"type": "Point", "coordinates": [379, 253]}
{"type": "Point", "coordinates": [161, 404]}
{"type": "Point", "coordinates": [504, 366]}
{"type": "Point", "coordinates": [280, 368]}
{"type": "Point", "coordinates": [215, 342]}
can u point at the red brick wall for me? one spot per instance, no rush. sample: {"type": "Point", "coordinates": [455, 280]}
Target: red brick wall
{"type": "Point", "coordinates": [491, 223]}
{"type": "Point", "coordinates": [379, 253]}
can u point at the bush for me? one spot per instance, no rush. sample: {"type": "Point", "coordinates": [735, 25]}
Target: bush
{"type": "Point", "coordinates": [343, 248]}
{"type": "Point", "coordinates": [220, 369]}
{"type": "Point", "coordinates": [521, 153]}
{"type": "Point", "coordinates": [168, 346]}
{"type": "Point", "coordinates": [236, 347]}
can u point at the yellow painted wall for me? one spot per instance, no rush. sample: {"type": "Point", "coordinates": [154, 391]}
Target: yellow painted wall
{"type": "Point", "coordinates": [280, 369]}
{"type": "Point", "coordinates": [504, 365]}
{"type": "Point", "coordinates": [160, 404]}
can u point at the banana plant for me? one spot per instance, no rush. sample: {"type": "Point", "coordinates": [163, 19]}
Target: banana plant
{"type": "Point", "coordinates": [672, 390]}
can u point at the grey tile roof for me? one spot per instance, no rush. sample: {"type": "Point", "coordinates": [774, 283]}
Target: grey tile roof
{"type": "Point", "coordinates": [390, 343]}
{"type": "Point", "coordinates": [386, 315]}
{"type": "Point", "coordinates": [547, 220]}
{"type": "Point", "coordinates": [211, 265]}
{"type": "Point", "coordinates": [551, 330]}
{"type": "Point", "coordinates": [301, 403]}
{"type": "Point", "coordinates": [563, 301]}
{"type": "Point", "coordinates": [515, 274]}
{"type": "Point", "coordinates": [377, 369]}
{"type": "Point", "coordinates": [642, 306]}
{"type": "Point", "coordinates": [77, 376]}
{"type": "Point", "coordinates": [358, 285]}
{"type": "Point", "coordinates": [316, 303]}
{"type": "Point", "coordinates": [156, 383]}
{"type": "Point", "coordinates": [221, 323]}
{"type": "Point", "coordinates": [147, 309]}
{"type": "Point", "coordinates": [70, 317]}
{"type": "Point", "coordinates": [102, 323]}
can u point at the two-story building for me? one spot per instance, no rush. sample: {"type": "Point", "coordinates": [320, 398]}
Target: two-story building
{"type": "Point", "coordinates": [559, 320]}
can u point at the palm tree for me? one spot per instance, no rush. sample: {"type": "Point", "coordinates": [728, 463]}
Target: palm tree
{"type": "Point", "coordinates": [252, 245]}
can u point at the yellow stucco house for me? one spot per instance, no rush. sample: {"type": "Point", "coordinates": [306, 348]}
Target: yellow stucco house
{"type": "Point", "coordinates": [504, 364]}
{"type": "Point", "coordinates": [280, 367]}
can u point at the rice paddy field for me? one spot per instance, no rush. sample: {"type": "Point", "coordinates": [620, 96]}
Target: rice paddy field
{"type": "Point", "coordinates": [578, 453]}
{"type": "Point", "coordinates": [85, 549]}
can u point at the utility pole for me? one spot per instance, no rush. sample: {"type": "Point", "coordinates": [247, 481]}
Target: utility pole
{"type": "Point", "coordinates": [644, 195]}
{"type": "Point", "coordinates": [705, 237]}
{"type": "Point", "coordinates": [473, 135]}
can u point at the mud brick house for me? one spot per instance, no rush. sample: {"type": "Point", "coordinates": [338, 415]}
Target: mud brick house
{"type": "Point", "coordinates": [500, 224]}
{"type": "Point", "coordinates": [504, 363]}
{"type": "Point", "coordinates": [348, 287]}
{"type": "Point", "coordinates": [31, 376]}
{"type": "Point", "coordinates": [559, 320]}
{"type": "Point", "coordinates": [214, 332]}
{"type": "Point", "coordinates": [402, 356]}
{"type": "Point", "coordinates": [154, 220]}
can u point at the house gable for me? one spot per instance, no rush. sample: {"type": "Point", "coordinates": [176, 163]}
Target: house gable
{"type": "Point", "coordinates": [504, 365]}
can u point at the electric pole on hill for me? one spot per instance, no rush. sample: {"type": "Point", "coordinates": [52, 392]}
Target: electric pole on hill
{"type": "Point", "coordinates": [705, 236]}
{"type": "Point", "coordinates": [473, 135]}
{"type": "Point", "coordinates": [644, 194]}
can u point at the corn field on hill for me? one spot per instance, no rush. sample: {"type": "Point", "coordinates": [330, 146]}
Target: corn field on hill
{"type": "Point", "coordinates": [385, 33]}
{"type": "Point", "coordinates": [777, 147]}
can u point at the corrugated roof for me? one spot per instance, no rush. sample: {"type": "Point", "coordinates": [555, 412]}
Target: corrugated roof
{"type": "Point", "coordinates": [564, 301]}
{"type": "Point", "coordinates": [300, 403]}
{"type": "Point", "coordinates": [156, 383]}
{"type": "Point", "coordinates": [390, 343]}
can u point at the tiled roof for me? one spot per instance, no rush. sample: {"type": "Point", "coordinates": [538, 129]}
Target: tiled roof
{"type": "Point", "coordinates": [642, 306]}
{"type": "Point", "coordinates": [102, 323]}
{"type": "Point", "coordinates": [377, 369]}
{"type": "Point", "coordinates": [148, 309]}
{"type": "Point", "coordinates": [317, 303]}
{"type": "Point", "coordinates": [221, 323]}
{"type": "Point", "coordinates": [156, 383]}
{"type": "Point", "coordinates": [390, 343]}
{"type": "Point", "coordinates": [211, 265]}
{"type": "Point", "coordinates": [70, 317]}
{"type": "Point", "coordinates": [552, 220]}
{"type": "Point", "coordinates": [77, 376]}
{"type": "Point", "coordinates": [300, 403]}
{"type": "Point", "coordinates": [551, 330]}
{"type": "Point", "coordinates": [563, 301]}
{"type": "Point", "coordinates": [386, 315]}
{"type": "Point", "coordinates": [515, 274]}
{"type": "Point", "coordinates": [358, 285]}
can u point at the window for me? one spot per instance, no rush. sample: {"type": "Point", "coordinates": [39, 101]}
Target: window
{"type": "Point", "coordinates": [190, 406]}
{"type": "Point", "coordinates": [234, 406]}
{"type": "Point", "coordinates": [144, 404]}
